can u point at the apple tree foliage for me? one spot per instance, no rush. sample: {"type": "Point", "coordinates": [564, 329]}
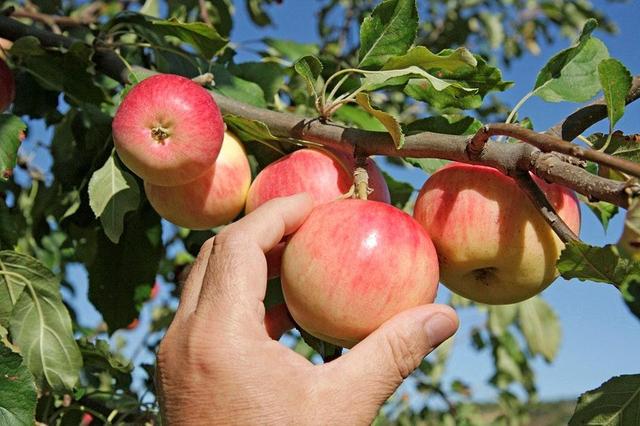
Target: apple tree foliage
{"type": "Point", "coordinates": [397, 66]}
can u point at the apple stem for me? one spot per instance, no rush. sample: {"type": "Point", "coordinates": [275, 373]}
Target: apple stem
{"type": "Point", "coordinates": [361, 177]}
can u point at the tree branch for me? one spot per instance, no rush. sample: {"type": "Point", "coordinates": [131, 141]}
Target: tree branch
{"type": "Point", "coordinates": [88, 16]}
{"type": "Point", "coordinates": [540, 200]}
{"type": "Point", "coordinates": [548, 143]}
{"type": "Point", "coordinates": [507, 158]}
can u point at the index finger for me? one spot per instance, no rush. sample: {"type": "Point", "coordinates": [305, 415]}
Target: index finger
{"type": "Point", "coordinates": [236, 276]}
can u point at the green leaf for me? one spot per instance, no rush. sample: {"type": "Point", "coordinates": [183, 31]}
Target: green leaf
{"type": "Point", "coordinates": [540, 327]}
{"type": "Point", "coordinates": [204, 38]}
{"type": "Point", "coordinates": [10, 129]}
{"type": "Point", "coordinates": [445, 124]}
{"type": "Point", "coordinates": [310, 68]}
{"type": "Point", "coordinates": [604, 211]}
{"type": "Point", "coordinates": [448, 60]}
{"type": "Point", "coordinates": [429, 165]}
{"type": "Point", "coordinates": [478, 80]}
{"type": "Point", "coordinates": [236, 88]}
{"type": "Point", "coordinates": [70, 70]}
{"type": "Point", "coordinates": [117, 270]}
{"type": "Point", "coordinates": [616, 402]}
{"type": "Point", "coordinates": [268, 75]}
{"type": "Point", "coordinates": [39, 322]}
{"type": "Point", "coordinates": [600, 264]}
{"type": "Point", "coordinates": [291, 50]}
{"type": "Point", "coordinates": [374, 80]}
{"type": "Point", "coordinates": [257, 13]}
{"type": "Point", "coordinates": [113, 192]}
{"type": "Point", "coordinates": [248, 129]}
{"type": "Point", "coordinates": [389, 31]}
{"type": "Point", "coordinates": [151, 8]}
{"type": "Point", "coordinates": [618, 145]}
{"type": "Point", "coordinates": [572, 74]}
{"type": "Point", "coordinates": [98, 360]}
{"type": "Point", "coordinates": [603, 264]}
{"type": "Point", "coordinates": [400, 191]}
{"type": "Point", "coordinates": [500, 317]}
{"type": "Point", "coordinates": [615, 80]}
{"type": "Point", "coordinates": [353, 115]}
{"type": "Point", "coordinates": [629, 243]}
{"type": "Point", "coordinates": [17, 390]}
{"type": "Point", "coordinates": [387, 120]}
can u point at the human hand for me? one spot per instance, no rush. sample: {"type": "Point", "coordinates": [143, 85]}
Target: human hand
{"type": "Point", "coordinates": [218, 365]}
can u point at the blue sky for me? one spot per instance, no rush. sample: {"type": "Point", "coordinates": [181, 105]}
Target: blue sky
{"type": "Point", "coordinates": [600, 337]}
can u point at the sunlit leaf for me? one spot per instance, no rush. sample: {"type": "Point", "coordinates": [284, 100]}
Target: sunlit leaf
{"type": "Point", "coordinates": [616, 80]}
{"type": "Point", "coordinates": [309, 67]}
{"type": "Point", "coordinates": [572, 74]}
{"type": "Point", "coordinates": [39, 322]}
{"type": "Point", "coordinates": [387, 120]}
{"type": "Point", "coordinates": [615, 402]}
{"type": "Point", "coordinates": [540, 326]}
{"type": "Point", "coordinates": [113, 192]}
{"type": "Point", "coordinates": [388, 31]}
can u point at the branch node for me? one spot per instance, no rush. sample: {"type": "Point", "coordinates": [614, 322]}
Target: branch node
{"type": "Point", "coordinates": [476, 144]}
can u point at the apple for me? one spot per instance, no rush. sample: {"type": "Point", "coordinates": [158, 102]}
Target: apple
{"type": "Point", "coordinates": [168, 130]}
{"type": "Point", "coordinates": [352, 265]}
{"type": "Point", "coordinates": [7, 86]}
{"type": "Point", "coordinates": [324, 175]}
{"type": "Point", "coordinates": [493, 244]}
{"type": "Point", "coordinates": [213, 199]}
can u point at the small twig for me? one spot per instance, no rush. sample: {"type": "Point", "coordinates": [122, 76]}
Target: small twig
{"type": "Point", "coordinates": [549, 143]}
{"type": "Point", "coordinates": [56, 21]}
{"type": "Point", "coordinates": [540, 200]}
{"type": "Point", "coordinates": [204, 13]}
{"type": "Point", "coordinates": [204, 79]}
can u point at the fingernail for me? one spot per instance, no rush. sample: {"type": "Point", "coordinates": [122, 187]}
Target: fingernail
{"type": "Point", "coordinates": [439, 328]}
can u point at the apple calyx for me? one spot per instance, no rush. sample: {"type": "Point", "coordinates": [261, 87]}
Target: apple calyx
{"type": "Point", "coordinates": [159, 134]}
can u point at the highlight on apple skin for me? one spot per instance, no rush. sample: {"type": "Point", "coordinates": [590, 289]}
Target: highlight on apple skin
{"type": "Point", "coordinates": [352, 265]}
{"type": "Point", "coordinates": [168, 130]}
{"type": "Point", "coordinates": [7, 86]}
{"type": "Point", "coordinates": [213, 199]}
{"type": "Point", "coordinates": [493, 244]}
{"type": "Point", "coordinates": [322, 174]}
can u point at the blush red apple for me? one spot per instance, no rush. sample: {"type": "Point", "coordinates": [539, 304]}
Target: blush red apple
{"type": "Point", "coordinates": [168, 130]}
{"type": "Point", "coordinates": [213, 199]}
{"type": "Point", "coordinates": [352, 265]}
{"type": "Point", "coordinates": [493, 244]}
{"type": "Point", "coordinates": [322, 174]}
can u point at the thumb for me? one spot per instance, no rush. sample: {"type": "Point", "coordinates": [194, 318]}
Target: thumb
{"type": "Point", "coordinates": [375, 367]}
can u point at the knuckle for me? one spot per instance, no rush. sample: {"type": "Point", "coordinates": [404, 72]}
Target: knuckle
{"type": "Point", "coordinates": [402, 351]}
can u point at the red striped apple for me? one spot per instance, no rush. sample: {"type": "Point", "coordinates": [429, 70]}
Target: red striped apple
{"type": "Point", "coordinates": [352, 265]}
{"type": "Point", "coordinates": [213, 199]}
{"type": "Point", "coordinates": [322, 174]}
{"type": "Point", "coordinates": [493, 244]}
{"type": "Point", "coordinates": [7, 86]}
{"type": "Point", "coordinates": [168, 130]}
